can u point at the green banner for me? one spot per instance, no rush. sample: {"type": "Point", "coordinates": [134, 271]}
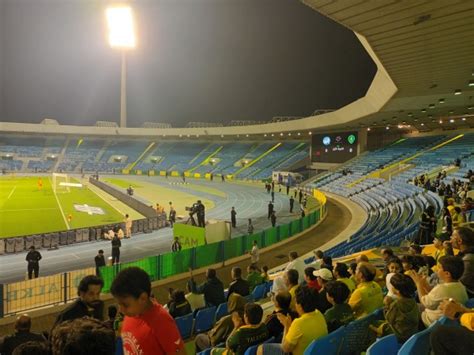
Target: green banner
{"type": "Point", "coordinates": [233, 248]}
{"type": "Point", "coordinates": [250, 238]}
{"type": "Point", "coordinates": [306, 222]}
{"type": "Point", "coordinates": [208, 254]}
{"type": "Point", "coordinates": [189, 236]}
{"type": "Point", "coordinates": [284, 230]}
{"type": "Point", "coordinates": [271, 236]}
{"type": "Point", "coordinates": [175, 263]}
{"type": "Point", "coordinates": [295, 227]}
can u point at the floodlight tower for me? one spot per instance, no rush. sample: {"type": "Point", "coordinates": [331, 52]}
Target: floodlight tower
{"type": "Point", "coordinates": [121, 36]}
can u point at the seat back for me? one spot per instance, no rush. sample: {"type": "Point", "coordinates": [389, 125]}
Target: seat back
{"type": "Point", "coordinates": [221, 311]}
{"type": "Point", "coordinates": [357, 335]}
{"type": "Point", "coordinates": [185, 325]}
{"type": "Point", "coordinates": [330, 344]}
{"type": "Point", "coordinates": [259, 292]}
{"type": "Point", "coordinates": [387, 345]}
{"type": "Point", "coordinates": [204, 319]}
{"type": "Point", "coordinates": [470, 303]}
{"type": "Point", "coordinates": [418, 344]}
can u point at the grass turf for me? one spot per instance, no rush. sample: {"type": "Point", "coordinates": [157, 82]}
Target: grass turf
{"type": "Point", "coordinates": [25, 209]}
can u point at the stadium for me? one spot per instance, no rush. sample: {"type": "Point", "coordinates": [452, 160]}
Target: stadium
{"type": "Point", "coordinates": [193, 145]}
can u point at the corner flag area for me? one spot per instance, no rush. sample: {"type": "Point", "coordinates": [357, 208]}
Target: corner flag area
{"type": "Point", "coordinates": [28, 207]}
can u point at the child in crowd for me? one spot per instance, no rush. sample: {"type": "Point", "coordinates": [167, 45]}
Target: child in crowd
{"type": "Point", "coordinates": [340, 313]}
{"type": "Point", "coordinates": [264, 273]}
{"type": "Point", "coordinates": [401, 313]}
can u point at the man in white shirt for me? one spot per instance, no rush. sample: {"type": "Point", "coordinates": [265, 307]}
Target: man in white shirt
{"type": "Point", "coordinates": [296, 264]}
{"type": "Point", "coordinates": [254, 254]}
{"type": "Point", "coordinates": [450, 270]}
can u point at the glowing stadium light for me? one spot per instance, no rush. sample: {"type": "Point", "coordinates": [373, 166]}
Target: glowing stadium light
{"type": "Point", "coordinates": [368, 129]}
{"type": "Point", "coordinates": [451, 121]}
{"type": "Point", "coordinates": [310, 133]}
{"type": "Point", "coordinates": [265, 135]}
{"type": "Point", "coordinates": [440, 121]}
{"type": "Point", "coordinates": [464, 118]}
{"type": "Point", "coordinates": [387, 128]}
{"type": "Point", "coordinates": [422, 124]}
{"type": "Point", "coordinates": [457, 92]}
{"type": "Point", "coordinates": [441, 101]}
{"type": "Point", "coordinates": [431, 106]}
{"type": "Point", "coordinates": [471, 83]}
{"type": "Point", "coordinates": [121, 27]}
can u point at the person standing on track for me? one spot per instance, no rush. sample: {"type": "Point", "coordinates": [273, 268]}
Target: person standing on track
{"type": "Point", "coordinates": [292, 204]}
{"type": "Point", "coordinates": [250, 227]}
{"type": "Point", "coordinates": [128, 226]}
{"type": "Point", "coordinates": [254, 254]}
{"type": "Point", "coordinates": [33, 257]}
{"type": "Point", "coordinates": [116, 245]}
{"type": "Point", "coordinates": [99, 261]}
{"type": "Point", "coordinates": [273, 196]}
{"type": "Point", "coordinates": [273, 219]}
{"type": "Point", "coordinates": [270, 209]}
{"type": "Point", "coordinates": [233, 218]}
{"type": "Point", "coordinates": [176, 246]}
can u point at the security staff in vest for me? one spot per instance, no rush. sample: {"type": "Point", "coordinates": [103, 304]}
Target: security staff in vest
{"type": "Point", "coordinates": [33, 257]}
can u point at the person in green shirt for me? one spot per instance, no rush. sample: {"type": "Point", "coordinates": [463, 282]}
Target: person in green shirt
{"type": "Point", "coordinates": [340, 313]}
{"type": "Point", "coordinates": [247, 332]}
{"type": "Point", "coordinates": [253, 277]}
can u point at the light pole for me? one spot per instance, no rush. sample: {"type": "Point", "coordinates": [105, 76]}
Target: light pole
{"type": "Point", "coordinates": [121, 36]}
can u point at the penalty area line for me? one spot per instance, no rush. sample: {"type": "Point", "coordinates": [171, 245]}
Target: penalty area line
{"type": "Point", "coordinates": [59, 205]}
{"type": "Point", "coordinates": [11, 192]}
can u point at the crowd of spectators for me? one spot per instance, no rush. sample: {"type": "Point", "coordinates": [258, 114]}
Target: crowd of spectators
{"type": "Point", "coordinates": [308, 301]}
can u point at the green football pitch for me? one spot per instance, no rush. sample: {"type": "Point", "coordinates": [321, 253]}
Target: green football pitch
{"type": "Point", "coordinates": [26, 209]}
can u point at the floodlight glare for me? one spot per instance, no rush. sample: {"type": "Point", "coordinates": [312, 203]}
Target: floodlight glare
{"type": "Point", "coordinates": [121, 27]}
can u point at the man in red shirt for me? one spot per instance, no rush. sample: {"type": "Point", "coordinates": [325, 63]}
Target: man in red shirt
{"type": "Point", "coordinates": [147, 329]}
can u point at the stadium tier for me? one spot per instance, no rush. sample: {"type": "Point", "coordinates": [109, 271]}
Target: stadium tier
{"type": "Point", "coordinates": [250, 160]}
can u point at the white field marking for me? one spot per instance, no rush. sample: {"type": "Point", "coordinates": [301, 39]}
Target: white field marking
{"type": "Point", "coordinates": [60, 208]}
{"type": "Point", "coordinates": [11, 192]}
{"type": "Point", "coordinates": [29, 209]}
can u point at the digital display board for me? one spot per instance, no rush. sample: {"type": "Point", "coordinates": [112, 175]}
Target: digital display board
{"type": "Point", "coordinates": [334, 147]}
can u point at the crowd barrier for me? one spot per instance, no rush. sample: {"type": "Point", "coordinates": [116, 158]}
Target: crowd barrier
{"type": "Point", "coordinates": [60, 288]}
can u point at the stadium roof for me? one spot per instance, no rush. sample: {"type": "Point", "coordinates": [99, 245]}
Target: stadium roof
{"type": "Point", "coordinates": [427, 49]}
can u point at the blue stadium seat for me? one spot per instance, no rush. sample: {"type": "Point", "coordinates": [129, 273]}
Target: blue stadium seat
{"type": "Point", "coordinates": [259, 292]}
{"type": "Point", "coordinates": [252, 350]}
{"type": "Point", "coordinates": [470, 303]}
{"type": "Point", "coordinates": [268, 287]}
{"type": "Point", "coordinates": [357, 334]}
{"type": "Point", "coordinates": [205, 352]}
{"type": "Point", "coordinates": [387, 345]}
{"type": "Point", "coordinates": [330, 344]}
{"type": "Point", "coordinates": [185, 325]}
{"type": "Point", "coordinates": [418, 344]}
{"type": "Point", "coordinates": [204, 319]}
{"type": "Point", "coordinates": [221, 311]}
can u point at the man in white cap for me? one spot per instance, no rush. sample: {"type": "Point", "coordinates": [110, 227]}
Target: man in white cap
{"type": "Point", "coordinates": [324, 276]}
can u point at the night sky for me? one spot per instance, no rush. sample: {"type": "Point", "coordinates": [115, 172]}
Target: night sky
{"type": "Point", "coordinates": [196, 60]}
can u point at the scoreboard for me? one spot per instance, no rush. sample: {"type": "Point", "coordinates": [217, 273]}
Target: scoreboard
{"type": "Point", "coordinates": [334, 147]}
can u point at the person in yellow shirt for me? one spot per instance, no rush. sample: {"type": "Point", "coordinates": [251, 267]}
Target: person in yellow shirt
{"type": "Point", "coordinates": [447, 340]}
{"type": "Point", "coordinates": [341, 273]}
{"type": "Point", "coordinates": [368, 296]}
{"type": "Point", "coordinates": [290, 278]}
{"type": "Point", "coordinates": [299, 333]}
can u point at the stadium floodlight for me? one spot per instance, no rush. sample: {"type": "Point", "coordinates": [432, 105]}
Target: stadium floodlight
{"type": "Point", "coordinates": [121, 27]}
{"type": "Point", "coordinates": [121, 36]}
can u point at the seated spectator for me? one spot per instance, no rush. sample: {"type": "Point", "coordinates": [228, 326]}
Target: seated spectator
{"type": "Point", "coordinates": [178, 306]}
{"type": "Point", "coordinates": [264, 273]}
{"type": "Point", "coordinates": [247, 331]}
{"type": "Point", "coordinates": [463, 239]}
{"type": "Point", "coordinates": [457, 217]}
{"type": "Point", "coordinates": [310, 279]}
{"type": "Point", "coordinates": [341, 273]}
{"type": "Point", "coordinates": [449, 340]}
{"type": "Point", "coordinates": [319, 259]}
{"type": "Point", "coordinates": [253, 278]}
{"type": "Point", "coordinates": [440, 247]}
{"type": "Point", "coordinates": [414, 249]}
{"type": "Point", "coordinates": [387, 256]}
{"type": "Point", "coordinates": [402, 313]}
{"type": "Point", "coordinates": [394, 267]}
{"type": "Point", "coordinates": [279, 285]}
{"type": "Point", "coordinates": [327, 263]}
{"type": "Point", "coordinates": [147, 326]}
{"type": "Point", "coordinates": [296, 264]}
{"type": "Point", "coordinates": [324, 276]}
{"type": "Point", "coordinates": [291, 282]}
{"type": "Point", "coordinates": [300, 332]}
{"type": "Point", "coordinates": [450, 269]}
{"type": "Point", "coordinates": [112, 315]}
{"type": "Point", "coordinates": [32, 348]}
{"type": "Point", "coordinates": [83, 336]}
{"type": "Point", "coordinates": [408, 263]}
{"type": "Point", "coordinates": [212, 288]}
{"type": "Point", "coordinates": [340, 313]}
{"type": "Point", "coordinates": [367, 297]}
{"type": "Point", "coordinates": [281, 302]}
{"type": "Point", "coordinates": [238, 285]}
{"type": "Point", "coordinates": [223, 327]}
{"type": "Point", "coordinates": [88, 304]}
{"type": "Point", "coordinates": [195, 300]}
{"type": "Point", "coordinates": [22, 335]}
{"type": "Point", "coordinates": [352, 271]}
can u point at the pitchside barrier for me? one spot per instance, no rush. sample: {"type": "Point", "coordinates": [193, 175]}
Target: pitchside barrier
{"type": "Point", "coordinates": [61, 288]}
